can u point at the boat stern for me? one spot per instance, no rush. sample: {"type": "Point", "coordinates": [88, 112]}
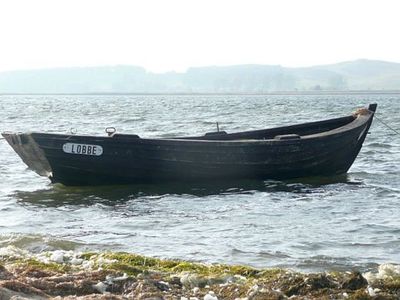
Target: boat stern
{"type": "Point", "coordinates": [29, 151]}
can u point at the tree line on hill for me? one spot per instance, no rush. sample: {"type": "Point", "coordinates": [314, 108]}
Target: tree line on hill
{"type": "Point", "coordinates": [345, 76]}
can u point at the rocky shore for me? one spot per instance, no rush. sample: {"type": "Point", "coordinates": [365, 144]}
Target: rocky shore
{"type": "Point", "coordinates": [70, 275]}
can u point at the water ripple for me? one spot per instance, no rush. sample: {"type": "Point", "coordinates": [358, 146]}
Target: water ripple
{"type": "Point", "coordinates": [341, 222]}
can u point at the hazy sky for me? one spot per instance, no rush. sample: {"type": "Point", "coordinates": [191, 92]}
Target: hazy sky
{"type": "Point", "coordinates": [164, 35]}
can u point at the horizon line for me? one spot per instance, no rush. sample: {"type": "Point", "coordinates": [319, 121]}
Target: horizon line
{"type": "Point", "coordinates": [327, 92]}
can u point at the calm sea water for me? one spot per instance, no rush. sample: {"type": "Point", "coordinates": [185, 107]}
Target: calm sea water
{"type": "Point", "coordinates": [312, 224]}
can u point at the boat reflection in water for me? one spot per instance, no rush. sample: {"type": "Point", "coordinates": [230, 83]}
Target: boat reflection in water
{"type": "Point", "coordinates": [111, 195]}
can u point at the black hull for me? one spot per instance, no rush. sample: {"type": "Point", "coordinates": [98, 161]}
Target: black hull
{"type": "Point", "coordinates": [313, 149]}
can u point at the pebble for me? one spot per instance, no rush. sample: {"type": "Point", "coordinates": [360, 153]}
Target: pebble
{"type": "Point", "coordinates": [371, 291]}
{"type": "Point", "coordinates": [105, 261]}
{"type": "Point", "coordinates": [239, 278]}
{"type": "Point", "coordinates": [87, 264]}
{"type": "Point", "coordinates": [121, 278]}
{"type": "Point", "coordinates": [76, 261]}
{"type": "Point", "coordinates": [190, 280]}
{"type": "Point", "coordinates": [210, 296]}
{"type": "Point", "coordinates": [253, 291]}
{"type": "Point", "coordinates": [57, 256]}
{"type": "Point", "coordinates": [101, 287]}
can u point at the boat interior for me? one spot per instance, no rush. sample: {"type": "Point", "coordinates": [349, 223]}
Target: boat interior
{"type": "Point", "coordinates": [281, 133]}
{"type": "Point", "coordinates": [277, 133]}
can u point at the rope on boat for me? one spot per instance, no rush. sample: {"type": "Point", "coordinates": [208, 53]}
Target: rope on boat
{"type": "Point", "coordinates": [361, 112]}
{"type": "Point", "coordinates": [394, 130]}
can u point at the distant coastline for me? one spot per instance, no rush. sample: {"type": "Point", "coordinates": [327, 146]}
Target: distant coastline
{"type": "Point", "coordinates": [352, 77]}
{"type": "Point", "coordinates": [289, 93]}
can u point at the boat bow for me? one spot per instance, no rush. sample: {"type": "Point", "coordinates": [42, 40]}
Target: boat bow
{"type": "Point", "coordinates": [29, 151]}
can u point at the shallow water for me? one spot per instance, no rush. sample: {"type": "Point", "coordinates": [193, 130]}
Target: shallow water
{"type": "Point", "coordinates": [314, 224]}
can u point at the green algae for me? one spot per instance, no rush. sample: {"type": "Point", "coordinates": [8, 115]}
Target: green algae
{"type": "Point", "coordinates": [88, 255]}
{"type": "Point", "coordinates": [270, 274]}
{"type": "Point", "coordinates": [245, 271]}
{"type": "Point", "coordinates": [51, 266]}
{"type": "Point", "coordinates": [360, 295]}
{"type": "Point", "coordinates": [229, 281]}
{"type": "Point", "coordinates": [134, 264]}
{"type": "Point", "coordinates": [132, 259]}
{"type": "Point", "coordinates": [392, 283]}
{"type": "Point", "coordinates": [124, 268]}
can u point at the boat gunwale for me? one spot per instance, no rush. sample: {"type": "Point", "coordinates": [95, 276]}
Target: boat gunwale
{"type": "Point", "coordinates": [358, 121]}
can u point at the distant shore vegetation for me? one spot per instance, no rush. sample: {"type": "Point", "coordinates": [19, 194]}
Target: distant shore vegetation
{"type": "Point", "coordinates": [359, 76]}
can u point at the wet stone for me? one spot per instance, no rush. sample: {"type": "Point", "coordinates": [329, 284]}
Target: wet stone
{"type": "Point", "coordinates": [319, 281]}
{"type": "Point", "coordinates": [161, 286]}
{"type": "Point", "coordinates": [5, 274]}
{"type": "Point", "coordinates": [175, 281]}
{"type": "Point", "coordinates": [355, 282]}
{"type": "Point", "coordinates": [6, 294]}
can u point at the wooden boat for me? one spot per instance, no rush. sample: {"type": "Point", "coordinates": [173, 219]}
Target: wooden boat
{"type": "Point", "coordinates": [320, 148]}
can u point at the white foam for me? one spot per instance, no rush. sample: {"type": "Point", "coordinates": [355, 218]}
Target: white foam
{"type": "Point", "coordinates": [385, 271]}
{"type": "Point", "coordinates": [13, 252]}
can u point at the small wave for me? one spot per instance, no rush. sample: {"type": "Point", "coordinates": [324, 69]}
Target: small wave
{"type": "Point", "coordinates": [273, 254]}
{"type": "Point", "coordinates": [37, 243]}
{"type": "Point", "coordinates": [319, 265]}
{"type": "Point", "coordinates": [239, 251]}
{"type": "Point", "coordinates": [379, 145]}
{"type": "Point", "coordinates": [324, 263]}
{"type": "Point", "coordinates": [132, 120]}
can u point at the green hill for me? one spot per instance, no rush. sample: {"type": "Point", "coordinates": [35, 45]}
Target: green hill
{"type": "Point", "coordinates": [344, 76]}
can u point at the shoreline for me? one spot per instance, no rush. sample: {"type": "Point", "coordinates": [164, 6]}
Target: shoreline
{"type": "Point", "coordinates": [119, 275]}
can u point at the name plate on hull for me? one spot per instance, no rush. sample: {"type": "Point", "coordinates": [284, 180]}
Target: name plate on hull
{"type": "Point", "coordinates": [83, 149]}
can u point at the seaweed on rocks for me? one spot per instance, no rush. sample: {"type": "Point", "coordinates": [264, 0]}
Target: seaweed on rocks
{"type": "Point", "coordinates": [89, 276]}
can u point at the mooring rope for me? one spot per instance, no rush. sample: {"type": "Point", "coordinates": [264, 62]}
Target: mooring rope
{"type": "Point", "coordinates": [394, 130]}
